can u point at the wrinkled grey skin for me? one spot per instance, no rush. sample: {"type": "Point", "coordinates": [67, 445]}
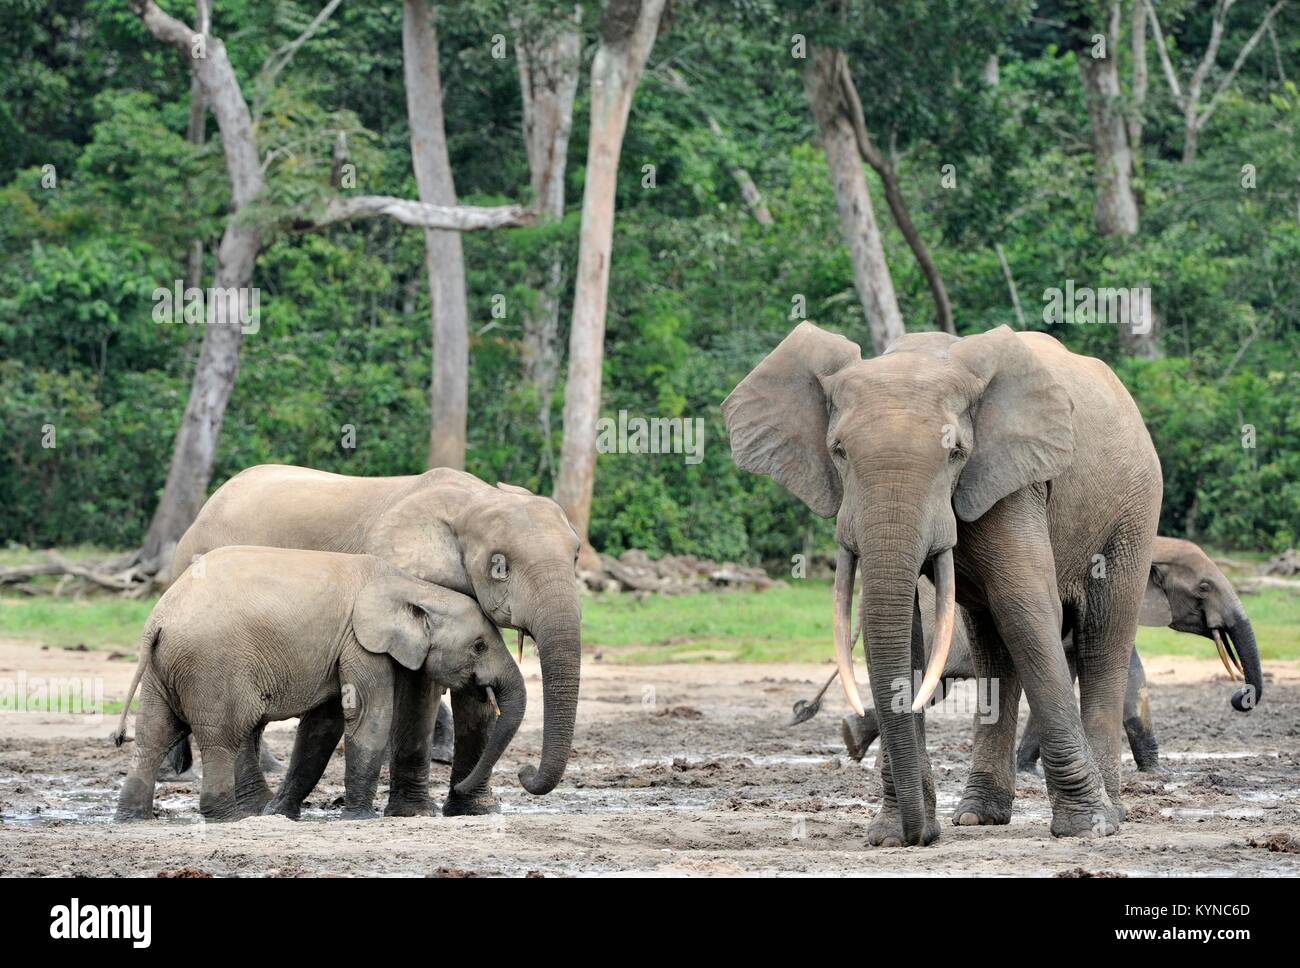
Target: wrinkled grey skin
{"type": "Point", "coordinates": [946, 444]}
{"type": "Point", "coordinates": [253, 635]}
{"type": "Point", "coordinates": [1186, 592]}
{"type": "Point", "coordinates": [510, 550]}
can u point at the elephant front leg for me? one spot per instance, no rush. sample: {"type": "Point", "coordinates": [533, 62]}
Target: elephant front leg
{"type": "Point", "coordinates": [1137, 719]}
{"type": "Point", "coordinates": [991, 786]}
{"type": "Point", "coordinates": [318, 735]}
{"type": "Point", "coordinates": [416, 699]}
{"type": "Point", "coordinates": [473, 719]}
{"type": "Point", "coordinates": [368, 726]}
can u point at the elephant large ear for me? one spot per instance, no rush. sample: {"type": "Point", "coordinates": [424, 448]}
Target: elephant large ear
{"type": "Point", "coordinates": [398, 617]}
{"type": "Point", "coordinates": [778, 415]}
{"type": "Point", "coordinates": [1023, 419]}
{"type": "Point", "coordinates": [1155, 611]}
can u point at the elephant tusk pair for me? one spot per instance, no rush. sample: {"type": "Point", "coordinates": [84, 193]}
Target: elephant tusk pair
{"type": "Point", "coordinates": [945, 616]}
{"type": "Point", "coordinates": [1224, 656]}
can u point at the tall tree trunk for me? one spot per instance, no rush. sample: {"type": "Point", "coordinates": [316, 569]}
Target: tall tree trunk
{"type": "Point", "coordinates": [444, 258]}
{"type": "Point", "coordinates": [1115, 210]}
{"type": "Point", "coordinates": [549, 57]}
{"type": "Point", "coordinates": [194, 450]}
{"type": "Point", "coordinates": [628, 33]}
{"type": "Point", "coordinates": [884, 168]}
{"type": "Point", "coordinates": [871, 276]}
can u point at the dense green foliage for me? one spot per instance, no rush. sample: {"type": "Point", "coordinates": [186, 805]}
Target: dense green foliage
{"type": "Point", "coordinates": [699, 290]}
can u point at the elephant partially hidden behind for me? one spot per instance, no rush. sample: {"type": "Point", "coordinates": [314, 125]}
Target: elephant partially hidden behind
{"type": "Point", "coordinates": [255, 635]}
{"type": "Point", "coordinates": [1186, 592]}
{"type": "Point", "coordinates": [513, 552]}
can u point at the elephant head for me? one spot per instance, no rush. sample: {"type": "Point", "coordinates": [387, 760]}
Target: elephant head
{"type": "Point", "coordinates": [1187, 592]}
{"type": "Point", "coordinates": [898, 447]}
{"type": "Point", "coordinates": [424, 626]}
{"type": "Point", "coordinates": [520, 554]}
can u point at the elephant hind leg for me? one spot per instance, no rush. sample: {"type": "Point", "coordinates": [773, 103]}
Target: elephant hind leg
{"type": "Point", "coordinates": [318, 735]}
{"type": "Point", "coordinates": [251, 790]}
{"type": "Point", "coordinates": [1137, 719]}
{"type": "Point", "coordinates": [991, 786]}
{"type": "Point", "coordinates": [157, 730]}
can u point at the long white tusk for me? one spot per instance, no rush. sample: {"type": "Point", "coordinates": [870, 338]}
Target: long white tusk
{"type": "Point", "coordinates": [846, 564]}
{"type": "Point", "coordinates": [945, 614]}
{"type": "Point", "coordinates": [1223, 655]}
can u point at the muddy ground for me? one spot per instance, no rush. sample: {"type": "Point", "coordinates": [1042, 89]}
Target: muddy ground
{"type": "Point", "coordinates": [677, 770]}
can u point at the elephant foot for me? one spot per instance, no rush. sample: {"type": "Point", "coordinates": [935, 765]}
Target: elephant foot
{"type": "Point", "coordinates": [225, 811]}
{"type": "Point", "coordinates": [411, 808]}
{"type": "Point", "coordinates": [983, 810]}
{"type": "Point", "coordinates": [1099, 820]}
{"type": "Point", "coordinates": [887, 830]}
{"type": "Point", "coordinates": [133, 812]}
{"type": "Point", "coordinates": [475, 806]}
{"type": "Point", "coordinates": [858, 734]}
{"type": "Point", "coordinates": [283, 808]}
{"type": "Point", "coordinates": [359, 813]}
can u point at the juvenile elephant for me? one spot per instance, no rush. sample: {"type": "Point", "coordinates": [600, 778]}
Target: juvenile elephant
{"type": "Point", "coordinates": [512, 551]}
{"type": "Point", "coordinates": [255, 635]}
{"type": "Point", "coordinates": [1004, 467]}
{"type": "Point", "coordinates": [1186, 591]}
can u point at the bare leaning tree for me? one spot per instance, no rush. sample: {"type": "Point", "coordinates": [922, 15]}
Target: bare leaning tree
{"type": "Point", "coordinates": [194, 450]}
{"type": "Point", "coordinates": [627, 35]}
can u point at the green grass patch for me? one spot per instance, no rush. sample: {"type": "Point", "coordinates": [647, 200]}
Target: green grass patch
{"type": "Point", "coordinates": [97, 621]}
{"type": "Point", "coordinates": [787, 624]}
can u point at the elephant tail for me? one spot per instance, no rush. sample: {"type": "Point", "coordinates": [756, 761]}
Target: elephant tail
{"type": "Point", "coordinates": [147, 642]}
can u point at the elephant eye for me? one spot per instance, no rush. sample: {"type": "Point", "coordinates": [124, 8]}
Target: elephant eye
{"type": "Point", "coordinates": [1205, 587]}
{"type": "Point", "coordinates": [480, 647]}
{"type": "Point", "coordinates": [838, 450]}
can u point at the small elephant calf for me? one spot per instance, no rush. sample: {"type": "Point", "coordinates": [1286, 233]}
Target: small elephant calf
{"type": "Point", "coordinates": [251, 635]}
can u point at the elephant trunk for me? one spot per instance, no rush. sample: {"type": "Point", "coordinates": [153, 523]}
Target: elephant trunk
{"type": "Point", "coordinates": [888, 595]}
{"type": "Point", "coordinates": [512, 699]}
{"type": "Point", "coordinates": [559, 644]}
{"type": "Point", "coordinates": [1242, 638]}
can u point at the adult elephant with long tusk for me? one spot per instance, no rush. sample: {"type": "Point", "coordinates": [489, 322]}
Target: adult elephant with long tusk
{"type": "Point", "coordinates": [513, 552]}
{"type": "Point", "coordinates": [1020, 478]}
